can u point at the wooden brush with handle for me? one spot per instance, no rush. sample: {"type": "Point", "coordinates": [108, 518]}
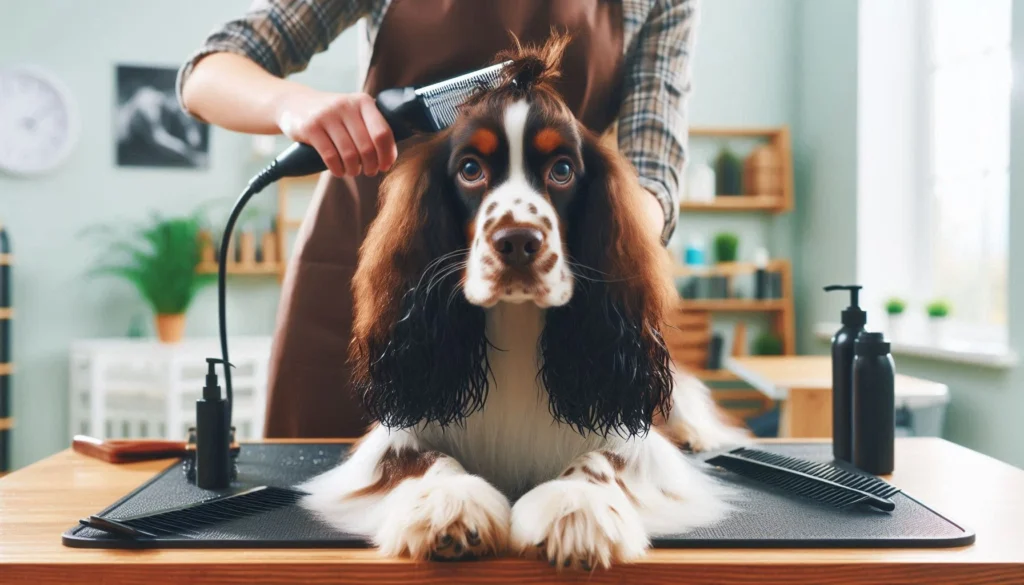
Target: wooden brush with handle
{"type": "Point", "coordinates": [128, 450]}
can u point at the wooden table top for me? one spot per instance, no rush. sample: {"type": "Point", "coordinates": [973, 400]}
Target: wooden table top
{"type": "Point", "coordinates": [775, 376]}
{"type": "Point", "coordinates": [40, 502]}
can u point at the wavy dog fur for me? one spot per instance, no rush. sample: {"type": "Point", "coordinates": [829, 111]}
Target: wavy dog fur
{"type": "Point", "coordinates": [509, 304]}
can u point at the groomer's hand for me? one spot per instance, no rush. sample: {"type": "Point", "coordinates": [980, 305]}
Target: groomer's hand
{"type": "Point", "coordinates": [346, 129]}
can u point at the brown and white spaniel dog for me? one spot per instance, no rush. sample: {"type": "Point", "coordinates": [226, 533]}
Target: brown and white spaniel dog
{"type": "Point", "coordinates": [507, 337]}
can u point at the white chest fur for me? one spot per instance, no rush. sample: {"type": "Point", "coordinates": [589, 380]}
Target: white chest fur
{"type": "Point", "coordinates": [512, 442]}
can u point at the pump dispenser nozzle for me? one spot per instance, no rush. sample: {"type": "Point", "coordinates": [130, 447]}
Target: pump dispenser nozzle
{"type": "Point", "coordinates": [211, 391]}
{"type": "Point", "coordinates": [853, 316]}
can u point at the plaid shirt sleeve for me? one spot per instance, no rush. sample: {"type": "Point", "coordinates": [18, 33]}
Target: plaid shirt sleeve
{"type": "Point", "coordinates": [281, 36]}
{"type": "Point", "coordinates": [652, 124]}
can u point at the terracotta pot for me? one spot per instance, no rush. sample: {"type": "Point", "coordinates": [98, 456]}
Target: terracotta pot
{"type": "Point", "coordinates": [170, 328]}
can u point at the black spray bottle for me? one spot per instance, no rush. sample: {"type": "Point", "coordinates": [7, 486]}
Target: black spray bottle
{"type": "Point", "coordinates": [213, 436]}
{"type": "Point", "coordinates": [843, 341]}
{"type": "Point", "coordinates": [874, 405]}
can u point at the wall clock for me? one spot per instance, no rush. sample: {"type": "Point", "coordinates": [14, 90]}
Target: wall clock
{"type": "Point", "coordinates": [38, 122]}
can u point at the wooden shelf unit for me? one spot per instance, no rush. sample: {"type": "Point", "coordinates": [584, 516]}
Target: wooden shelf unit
{"type": "Point", "coordinates": [768, 203]}
{"type": "Point", "coordinates": [239, 269]}
{"type": "Point", "coordinates": [694, 316]}
{"type": "Point", "coordinates": [284, 226]}
{"type": "Point", "coordinates": [692, 321]}
{"type": "Point", "coordinates": [777, 136]}
{"type": "Point", "coordinates": [733, 305]}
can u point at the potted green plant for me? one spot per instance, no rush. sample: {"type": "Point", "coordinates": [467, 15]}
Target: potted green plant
{"type": "Point", "coordinates": [894, 308]}
{"type": "Point", "coordinates": [767, 343]}
{"type": "Point", "coordinates": [726, 247]}
{"type": "Point", "coordinates": [728, 173]}
{"type": "Point", "coordinates": [159, 259]}
{"type": "Point", "coordinates": [938, 310]}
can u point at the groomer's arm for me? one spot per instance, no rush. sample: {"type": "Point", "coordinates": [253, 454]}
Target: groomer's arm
{"type": "Point", "coordinates": [237, 80]}
{"type": "Point", "coordinates": [652, 124]}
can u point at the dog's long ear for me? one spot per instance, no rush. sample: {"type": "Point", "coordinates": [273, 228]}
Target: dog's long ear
{"type": "Point", "coordinates": [418, 348]}
{"type": "Point", "coordinates": [606, 366]}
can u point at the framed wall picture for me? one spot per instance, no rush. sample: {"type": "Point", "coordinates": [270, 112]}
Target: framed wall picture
{"type": "Point", "coordinates": [151, 129]}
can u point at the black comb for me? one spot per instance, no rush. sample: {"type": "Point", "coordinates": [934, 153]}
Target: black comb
{"type": "Point", "coordinates": [821, 482]}
{"type": "Point", "coordinates": [187, 521]}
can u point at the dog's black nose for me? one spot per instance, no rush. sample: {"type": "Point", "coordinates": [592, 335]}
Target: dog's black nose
{"type": "Point", "coordinates": [517, 246]}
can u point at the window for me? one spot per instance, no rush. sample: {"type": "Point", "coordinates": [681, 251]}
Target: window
{"type": "Point", "coordinates": [933, 147]}
{"type": "Point", "coordinates": [964, 199]}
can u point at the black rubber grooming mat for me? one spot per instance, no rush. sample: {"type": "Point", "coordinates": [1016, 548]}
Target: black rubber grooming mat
{"type": "Point", "coordinates": [766, 516]}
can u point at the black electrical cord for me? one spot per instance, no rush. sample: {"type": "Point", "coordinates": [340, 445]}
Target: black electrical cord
{"type": "Point", "coordinates": [297, 161]}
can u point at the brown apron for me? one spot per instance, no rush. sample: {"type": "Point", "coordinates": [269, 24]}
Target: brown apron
{"type": "Point", "coordinates": [419, 42]}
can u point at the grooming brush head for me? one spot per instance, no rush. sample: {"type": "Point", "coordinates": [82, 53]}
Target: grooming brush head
{"type": "Point", "coordinates": [187, 521]}
{"type": "Point", "coordinates": [442, 100]}
{"type": "Point", "coordinates": [821, 482]}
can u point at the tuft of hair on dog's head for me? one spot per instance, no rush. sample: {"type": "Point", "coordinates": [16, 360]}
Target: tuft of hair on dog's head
{"type": "Point", "coordinates": [531, 70]}
{"type": "Point", "coordinates": [533, 65]}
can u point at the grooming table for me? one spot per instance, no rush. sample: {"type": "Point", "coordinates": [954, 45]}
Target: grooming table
{"type": "Point", "coordinates": [766, 517]}
{"type": "Point", "coordinates": [40, 502]}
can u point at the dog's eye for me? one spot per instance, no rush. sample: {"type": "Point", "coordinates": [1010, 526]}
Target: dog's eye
{"type": "Point", "coordinates": [561, 172]}
{"type": "Point", "coordinates": [471, 170]}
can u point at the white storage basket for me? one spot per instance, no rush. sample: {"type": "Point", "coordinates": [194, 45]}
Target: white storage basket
{"type": "Point", "coordinates": [128, 388]}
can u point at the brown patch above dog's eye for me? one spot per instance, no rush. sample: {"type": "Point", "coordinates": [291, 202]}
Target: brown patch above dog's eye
{"type": "Point", "coordinates": [485, 141]}
{"type": "Point", "coordinates": [547, 140]}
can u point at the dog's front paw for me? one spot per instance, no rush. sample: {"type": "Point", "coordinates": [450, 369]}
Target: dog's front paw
{"type": "Point", "coordinates": [445, 518]}
{"type": "Point", "coordinates": [573, 523]}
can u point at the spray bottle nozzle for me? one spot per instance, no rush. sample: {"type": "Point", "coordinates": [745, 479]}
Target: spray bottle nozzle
{"type": "Point", "coordinates": [853, 315]}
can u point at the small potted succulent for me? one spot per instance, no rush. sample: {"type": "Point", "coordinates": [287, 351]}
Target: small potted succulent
{"type": "Point", "coordinates": [160, 260]}
{"type": "Point", "coordinates": [726, 247]}
{"type": "Point", "coordinates": [767, 343]}
{"type": "Point", "coordinates": [894, 308]}
{"type": "Point", "coordinates": [938, 310]}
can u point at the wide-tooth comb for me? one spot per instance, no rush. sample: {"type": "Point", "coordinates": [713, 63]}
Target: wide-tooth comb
{"type": "Point", "coordinates": [442, 100]}
{"type": "Point", "coordinates": [187, 521]}
{"type": "Point", "coordinates": [821, 482]}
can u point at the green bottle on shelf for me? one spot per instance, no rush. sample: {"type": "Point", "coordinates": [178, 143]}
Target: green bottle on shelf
{"type": "Point", "coordinates": [728, 173]}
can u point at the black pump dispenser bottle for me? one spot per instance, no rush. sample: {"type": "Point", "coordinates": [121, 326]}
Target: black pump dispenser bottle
{"type": "Point", "coordinates": [213, 435]}
{"type": "Point", "coordinates": [854, 319]}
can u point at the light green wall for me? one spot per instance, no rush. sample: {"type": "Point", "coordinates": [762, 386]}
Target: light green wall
{"type": "Point", "coordinates": [743, 75]}
{"type": "Point", "coordinates": [824, 158]}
